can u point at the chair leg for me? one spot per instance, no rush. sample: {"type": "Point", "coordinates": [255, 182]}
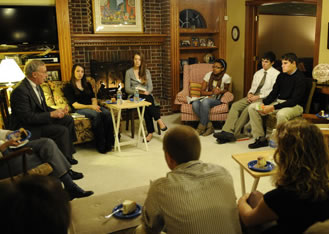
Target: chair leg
{"type": "Point", "coordinates": [159, 130]}
{"type": "Point", "coordinates": [127, 119]}
{"type": "Point", "coordinates": [132, 125]}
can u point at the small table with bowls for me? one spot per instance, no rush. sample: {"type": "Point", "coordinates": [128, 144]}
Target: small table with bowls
{"type": "Point", "coordinates": [247, 162]}
{"type": "Point", "coordinates": [127, 104]}
{"type": "Point", "coordinates": [88, 214]}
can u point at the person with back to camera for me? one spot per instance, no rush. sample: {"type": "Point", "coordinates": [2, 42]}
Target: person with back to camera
{"type": "Point", "coordinates": [82, 99]}
{"type": "Point", "coordinates": [34, 204]}
{"type": "Point", "coordinates": [214, 85]}
{"type": "Point", "coordinates": [194, 197]}
{"type": "Point", "coordinates": [44, 150]}
{"type": "Point", "coordinates": [301, 197]}
{"type": "Point", "coordinates": [30, 111]}
{"type": "Point", "coordinates": [261, 86]}
{"type": "Point", "coordinates": [138, 77]}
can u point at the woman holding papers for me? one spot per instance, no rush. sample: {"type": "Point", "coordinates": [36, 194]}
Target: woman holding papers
{"type": "Point", "coordinates": [82, 99]}
{"type": "Point", "coordinates": [214, 85]}
{"type": "Point", "coordinates": [139, 78]}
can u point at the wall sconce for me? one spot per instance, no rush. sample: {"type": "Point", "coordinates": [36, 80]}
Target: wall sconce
{"type": "Point", "coordinates": [10, 73]}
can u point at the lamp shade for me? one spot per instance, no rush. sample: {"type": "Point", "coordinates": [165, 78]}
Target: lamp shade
{"type": "Point", "coordinates": [10, 71]}
{"type": "Point", "coordinates": [321, 72]}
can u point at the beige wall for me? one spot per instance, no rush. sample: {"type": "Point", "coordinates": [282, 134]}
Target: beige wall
{"type": "Point", "coordinates": [235, 49]}
{"type": "Point", "coordinates": [324, 52]}
{"type": "Point", "coordinates": [282, 34]}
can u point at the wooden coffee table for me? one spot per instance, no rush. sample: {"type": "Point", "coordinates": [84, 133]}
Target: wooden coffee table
{"type": "Point", "coordinates": [127, 104]}
{"type": "Point", "coordinates": [243, 160]}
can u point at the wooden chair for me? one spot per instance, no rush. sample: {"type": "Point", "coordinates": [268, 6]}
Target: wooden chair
{"type": "Point", "coordinates": [312, 117]}
{"type": "Point", "coordinates": [42, 169]}
{"type": "Point", "coordinates": [4, 108]}
{"type": "Point", "coordinates": [270, 120]}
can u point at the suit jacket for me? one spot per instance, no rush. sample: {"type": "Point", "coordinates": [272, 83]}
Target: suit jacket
{"type": "Point", "coordinates": [26, 109]}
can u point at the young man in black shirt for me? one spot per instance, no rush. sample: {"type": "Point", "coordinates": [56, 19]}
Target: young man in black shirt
{"type": "Point", "coordinates": [286, 99]}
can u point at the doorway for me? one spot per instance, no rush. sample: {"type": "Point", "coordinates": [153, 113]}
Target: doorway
{"type": "Point", "coordinates": [277, 26]}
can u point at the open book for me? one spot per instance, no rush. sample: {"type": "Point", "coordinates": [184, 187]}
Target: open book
{"type": "Point", "coordinates": [192, 99]}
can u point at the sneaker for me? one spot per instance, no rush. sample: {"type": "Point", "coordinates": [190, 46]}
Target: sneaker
{"type": "Point", "coordinates": [75, 175]}
{"type": "Point", "coordinates": [258, 143]}
{"type": "Point", "coordinates": [222, 141]}
{"type": "Point", "coordinates": [226, 136]}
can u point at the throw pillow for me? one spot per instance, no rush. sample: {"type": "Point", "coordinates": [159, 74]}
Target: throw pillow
{"type": "Point", "coordinates": [195, 89]}
{"type": "Point", "coordinates": [57, 88]}
{"type": "Point", "coordinates": [48, 94]}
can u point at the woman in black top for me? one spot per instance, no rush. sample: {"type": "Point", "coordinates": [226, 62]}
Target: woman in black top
{"type": "Point", "coordinates": [81, 98]}
{"type": "Point", "coordinates": [302, 179]}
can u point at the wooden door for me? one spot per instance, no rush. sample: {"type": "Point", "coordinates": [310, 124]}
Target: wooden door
{"type": "Point", "coordinates": [251, 49]}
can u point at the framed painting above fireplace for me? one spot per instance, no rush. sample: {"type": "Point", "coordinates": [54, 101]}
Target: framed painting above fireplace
{"type": "Point", "coordinates": [117, 16]}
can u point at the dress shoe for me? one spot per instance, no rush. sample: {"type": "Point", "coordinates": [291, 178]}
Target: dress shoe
{"type": "Point", "coordinates": [164, 129]}
{"type": "Point", "coordinates": [73, 161]}
{"type": "Point", "coordinates": [258, 143]}
{"type": "Point", "coordinates": [75, 175]}
{"type": "Point", "coordinates": [77, 192]}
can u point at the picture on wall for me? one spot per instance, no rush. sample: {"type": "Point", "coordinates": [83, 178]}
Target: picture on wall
{"type": "Point", "coordinates": [117, 16]}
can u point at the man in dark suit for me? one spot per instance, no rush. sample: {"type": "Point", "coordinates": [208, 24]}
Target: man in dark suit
{"type": "Point", "coordinates": [30, 111]}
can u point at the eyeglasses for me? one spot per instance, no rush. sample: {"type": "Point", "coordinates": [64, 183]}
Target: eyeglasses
{"type": "Point", "coordinates": [216, 67]}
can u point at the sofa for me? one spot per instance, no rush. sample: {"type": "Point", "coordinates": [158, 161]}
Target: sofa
{"type": "Point", "coordinates": [192, 80]}
{"type": "Point", "coordinates": [55, 99]}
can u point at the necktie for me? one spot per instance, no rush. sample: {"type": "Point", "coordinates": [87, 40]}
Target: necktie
{"type": "Point", "coordinates": [261, 84]}
{"type": "Point", "coordinates": [40, 98]}
{"type": "Point", "coordinates": [39, 94]}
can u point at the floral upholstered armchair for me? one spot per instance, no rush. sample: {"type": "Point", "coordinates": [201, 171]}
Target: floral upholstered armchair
{"type": "Point", "coordinates": [53, 91]}
{"type": "Point", "coordinates": [192, 80]}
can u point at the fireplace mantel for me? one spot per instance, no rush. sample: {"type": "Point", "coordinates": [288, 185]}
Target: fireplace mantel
{"type": "Point", "coordinates": [116, 39]}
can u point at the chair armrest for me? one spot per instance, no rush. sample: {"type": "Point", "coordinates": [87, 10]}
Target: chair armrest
{"type": "Point", "coordinates": [17, 153]}
{"type": "Point", "coordinates": [227, 97]}
{"type": "Point", "coordinates": [181, 97]}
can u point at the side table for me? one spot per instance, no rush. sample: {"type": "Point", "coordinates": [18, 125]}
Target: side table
{"type": "Point", "coordinates": [243, 160]}
{"type": "Point", "coordinates": [127, 104]}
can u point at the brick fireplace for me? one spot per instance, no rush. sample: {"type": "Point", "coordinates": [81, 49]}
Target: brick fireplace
{"type": "Point", "coordinates": [154, 43]}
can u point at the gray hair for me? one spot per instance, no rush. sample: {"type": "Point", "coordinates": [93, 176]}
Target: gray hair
{"type": "Point", "coordinates": [32, 66]}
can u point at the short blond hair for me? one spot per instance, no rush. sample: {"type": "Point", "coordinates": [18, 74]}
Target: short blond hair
{"type": "Point", "coordinates": [182, 143]}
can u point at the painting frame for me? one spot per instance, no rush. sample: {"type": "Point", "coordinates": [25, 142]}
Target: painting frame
{"type": "Point", "coordinates": [111, 17]}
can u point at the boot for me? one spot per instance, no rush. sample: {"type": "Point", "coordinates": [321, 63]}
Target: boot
{"type": "Point", "coordinates": [210, 129]}
{"type": "Point", "coordinates": [201, 128]}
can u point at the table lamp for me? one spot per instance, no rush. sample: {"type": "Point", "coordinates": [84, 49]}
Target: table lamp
{"type": "Point", "coordinates": [10, 72]}
{"type": "Point", "coordinates": [321, 73]}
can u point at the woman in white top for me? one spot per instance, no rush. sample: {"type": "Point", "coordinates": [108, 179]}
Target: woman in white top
{"type": "Point", "coordinates": [138, 77]}
{"type": "Point", "coordinates": [214, 85]}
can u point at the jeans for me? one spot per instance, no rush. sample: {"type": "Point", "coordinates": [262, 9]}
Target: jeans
{"type": "Point", "coordinates": [202, 107]}
{"type": "Point", "coordinates": [102, 126]}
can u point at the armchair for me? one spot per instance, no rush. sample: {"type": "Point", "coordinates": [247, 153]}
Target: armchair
{"type": "Point", "coordinates": [42, 169]}
{"type": "Point", "coordinates": [194, 74]}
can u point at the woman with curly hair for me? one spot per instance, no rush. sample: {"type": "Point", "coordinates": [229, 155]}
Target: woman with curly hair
{"type": "Point", "coordinates": [214, 85]}
{"type": "Point", "coordinates": [301, 197]}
